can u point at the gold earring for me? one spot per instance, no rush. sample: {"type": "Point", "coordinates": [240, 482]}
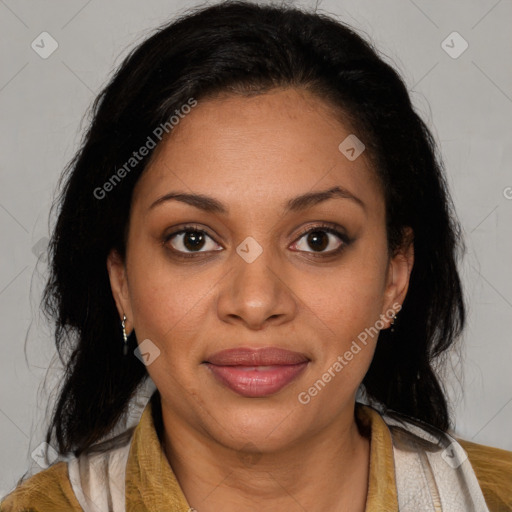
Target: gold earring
{"type": "Point", "coordinates": [125, 337]}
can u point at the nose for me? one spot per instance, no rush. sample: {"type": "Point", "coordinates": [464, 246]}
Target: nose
{"type": "Point", "coordinates": [256, 293]}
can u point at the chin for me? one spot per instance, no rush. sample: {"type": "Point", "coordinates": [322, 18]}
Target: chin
{"type": "Point", "coordinates": [266, 426]}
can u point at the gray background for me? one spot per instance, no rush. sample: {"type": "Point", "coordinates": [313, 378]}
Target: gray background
{"type": "Point", "coordinates": [466, 100]}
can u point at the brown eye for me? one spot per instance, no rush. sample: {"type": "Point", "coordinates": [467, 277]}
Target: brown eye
{"type": "Point", "coordinates": [317, 240]}
{"type": "Point", "coordinates": [321, 240]}
{"type": "Point", "coordinates": [191, 240]}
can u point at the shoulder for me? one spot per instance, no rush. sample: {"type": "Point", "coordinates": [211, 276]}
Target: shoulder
{"type": "Point", "coordinates": [493, 469]}
{"type": "Point", "coordinates": [47, 491]}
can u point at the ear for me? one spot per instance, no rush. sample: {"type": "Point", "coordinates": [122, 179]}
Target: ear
{"type": "Point", "coordinates": [119, 285]}
{"type": "Point", "coordinates": [399, 273]}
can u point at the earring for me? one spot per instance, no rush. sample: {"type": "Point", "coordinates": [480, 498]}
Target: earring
{"type": "Point", "coordinates": [393, 318]}
{"type": "Point", "coordinates": [125, 337]}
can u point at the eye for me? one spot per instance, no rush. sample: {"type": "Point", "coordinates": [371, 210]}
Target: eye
{"type": "Point", "coordinates": [189, 240]}
{"type": "Point", "coordinates": [321, 239]}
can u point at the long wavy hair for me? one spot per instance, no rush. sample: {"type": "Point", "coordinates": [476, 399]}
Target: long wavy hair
{"type": "Point", "coordinates": [243, 48]}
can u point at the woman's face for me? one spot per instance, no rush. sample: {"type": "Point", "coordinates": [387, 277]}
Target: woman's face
{"type": "Point", "coordinates": [254, 174]}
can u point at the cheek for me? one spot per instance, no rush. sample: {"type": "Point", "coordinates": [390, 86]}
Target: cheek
{"type": "Point", "coordinates": [169, 311]}
{"type": "Point", "coordinates": [348, 304]}
{"type": "Point", "coordinates": [351, 297]}
{"type": "Point", "coordinates": [167, 304]}
{"type": "Point", "coordinates": [349, 313]}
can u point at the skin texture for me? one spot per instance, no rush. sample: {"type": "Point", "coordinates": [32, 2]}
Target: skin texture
{"type": "Point", "coordinates": [253, 154]}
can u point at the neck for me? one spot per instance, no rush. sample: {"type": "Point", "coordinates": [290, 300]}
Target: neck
{"type": "Point", "coordinates": [326, 471]}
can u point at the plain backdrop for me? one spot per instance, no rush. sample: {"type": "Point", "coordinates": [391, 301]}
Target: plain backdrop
{"type": "Point", "coordinates": [464, 94]}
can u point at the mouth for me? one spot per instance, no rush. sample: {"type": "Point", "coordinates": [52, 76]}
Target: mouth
{"type": "Point", "coordinates": [256, 373]}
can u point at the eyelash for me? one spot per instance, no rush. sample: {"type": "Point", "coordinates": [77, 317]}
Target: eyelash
{"type": "Point", "coordinates": [326, 227]}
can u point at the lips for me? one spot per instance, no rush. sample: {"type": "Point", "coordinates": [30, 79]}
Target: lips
{"type": "Point", "coordinates": [256, 373]}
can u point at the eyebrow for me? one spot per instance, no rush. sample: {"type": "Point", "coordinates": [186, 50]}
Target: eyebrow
{"type": "Point", "coordinates": [296, 204]}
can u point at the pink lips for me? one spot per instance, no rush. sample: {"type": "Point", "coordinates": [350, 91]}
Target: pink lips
{"type": "Point", "coordinates": [256, 373]}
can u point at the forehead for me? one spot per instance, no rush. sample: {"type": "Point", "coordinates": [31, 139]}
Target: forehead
{"type": "Point", "coordinates": [258, 148]}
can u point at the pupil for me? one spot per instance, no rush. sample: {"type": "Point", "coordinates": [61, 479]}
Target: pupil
{"type": "Point", "coordinates": [193, 240]}
{"type": "Point", "coordinates": [318, 240]}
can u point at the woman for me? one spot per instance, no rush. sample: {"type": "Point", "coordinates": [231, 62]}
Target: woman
{"type": "Point", "coordinates": [258, 224]}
